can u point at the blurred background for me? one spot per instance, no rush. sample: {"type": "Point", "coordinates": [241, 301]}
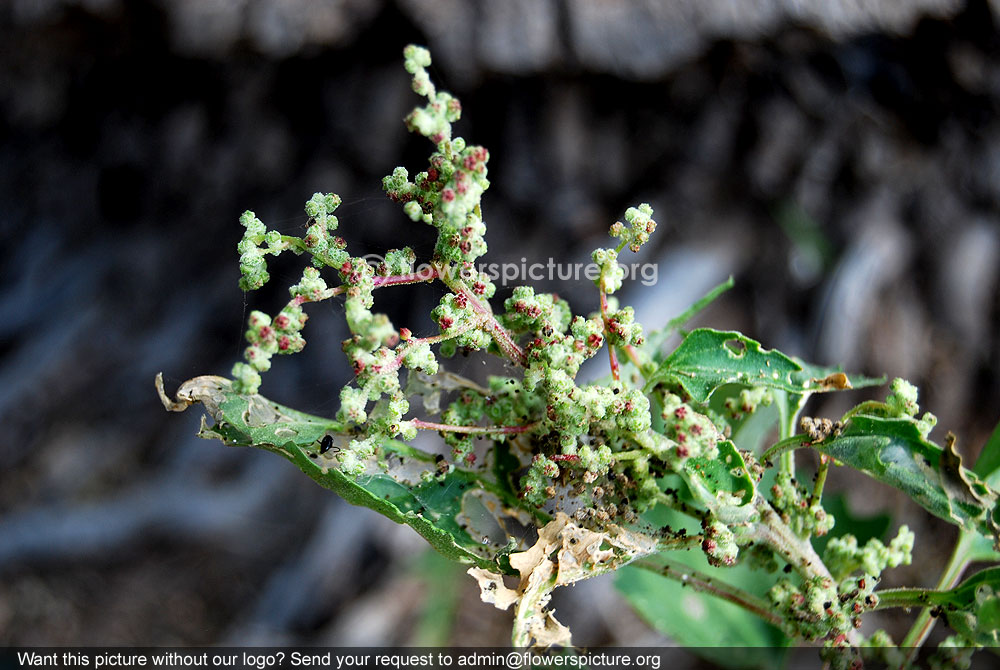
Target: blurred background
{"type": "Point", "coordinates": [841, 162]}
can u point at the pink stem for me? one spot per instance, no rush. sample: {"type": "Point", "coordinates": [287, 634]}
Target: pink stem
{"type": "Point", "coordinates": [472, 430]}
{"type": "Point", "coordinates": [412, 278]}
{"type": "Point", "coordinates": [633, 355]}
{"type": "Point", "coordinates": [500, 335]}
{"type": "Point", "coordinates": [393, 280]}
{"type": "Point", "coordinates": [611, 350]}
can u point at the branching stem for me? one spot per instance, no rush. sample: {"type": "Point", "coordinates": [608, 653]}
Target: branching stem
{"type": "Point", "coordinates": [611, 349]}
{"type": "Point", "coordinates": [501, 336]}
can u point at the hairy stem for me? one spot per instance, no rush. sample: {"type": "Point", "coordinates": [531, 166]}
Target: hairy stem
{"type": "Point", "coordinates": [797, 551]}
{"type": "Point", "coordinates": [703, 583]}
{"type": "Point", "coordinates": [472, 430]}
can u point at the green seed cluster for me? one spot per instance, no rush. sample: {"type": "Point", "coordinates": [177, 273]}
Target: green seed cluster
{"type": "Point", "coordinates": [820, 609]}
{"type": "Point", "coordinates": [719, 545]}
{"type": "Point", "coordinates": [748, 401]}
{"type": "Point", "coordinates": [694, 433]}
{"type": "Point", "coordinates": [621, 327]}
{"type": "Point", "coordinates": [953, 653]}
{"type": "Point", "coordinates": [843, 556]}
{"type": "Point", "coordinates": [257, 243]}
{"type": "Point", "coordinates": [267, 337]}
{"type": "Point", "coordinates": [397, 262]}
{"type": "Point", "coordinates": [799, 510]}
{"type": "Point", "coordinates": [447, 195]}
{"type": "Point", "coordinates": [327, 250]}
{"type": "Point", "coordinates": [902, 402]}
{"type": "Point", "coordinates": [611, 273]}
{"type": "Point", "coordinates": [640, 226]}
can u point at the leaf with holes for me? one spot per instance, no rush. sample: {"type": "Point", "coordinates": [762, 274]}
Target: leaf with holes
{"type": "Point", "coordinates": [708, 359]}
{"type": "Point", "coordinates": [722, 484]}
{"type": "Point", "coordinates": [432, 506]}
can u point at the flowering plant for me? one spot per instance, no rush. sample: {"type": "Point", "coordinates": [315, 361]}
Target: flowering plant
{"type": "Point", "coordinates": [553, 481]}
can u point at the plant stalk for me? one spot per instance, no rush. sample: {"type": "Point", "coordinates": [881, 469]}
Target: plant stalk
{"type": "Point", "coordinates": [703, 583]}
{"type": "Point", "coordinates": [924, 623]}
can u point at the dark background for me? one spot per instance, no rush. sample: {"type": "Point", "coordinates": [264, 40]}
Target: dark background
{"type": "Point", "coordinates": [842, 164]}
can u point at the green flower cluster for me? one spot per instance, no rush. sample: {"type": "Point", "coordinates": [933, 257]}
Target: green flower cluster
{"type": "Point", "coordinates": [694, 433]}
{"type": "Point", "coordinates": [447, 195]}
{"type": "Point", "coordinates": [257, 243]}
{"type": "Point", "coordinates": [820, 609]}
{"type": "Point", "coordinates": [748, 401]}
{"type": "Point", "coordinates": [640, 227]}
{"type": "Point", "coordinates": [843, 556]}
{"type": "Point", "coordinates": [902, 402]}
{"type": "Point", "coordinates": [799, 510]}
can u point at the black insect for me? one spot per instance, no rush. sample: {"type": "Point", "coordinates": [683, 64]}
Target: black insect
{"type": "Point", "coordinates": [326, 444]}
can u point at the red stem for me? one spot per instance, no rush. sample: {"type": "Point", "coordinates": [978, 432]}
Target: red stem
{"type": "Point", "coordinates": [393, 280]}
{"type": "Point", "coordinates": [500, 335]}
{"type": "Point", "coordinates": [611, 349]}
{"type": "Point", "coordinates": [412, 278]}
{"type": "Point", "coordinates": [448, 428]}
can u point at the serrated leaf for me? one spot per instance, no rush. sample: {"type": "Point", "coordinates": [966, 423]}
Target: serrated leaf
{"type": "Point", "coordinates": [430, 507]}
{"type": "Point", "coordinates": [893, 451]}
{"type": "Point", "coordinates": [708, 359]}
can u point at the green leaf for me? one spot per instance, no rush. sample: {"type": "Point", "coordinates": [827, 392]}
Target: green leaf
{"type": "Point", "coordinates": [705, 624]}
{"type": "Point", "coordinates": [432, 507]}
{"type": "Point", "coordinates": [988, 464]}
{"type": "Point", "coordinates": [708, 359]}
{"type": "Point", "coordinates": [893, 451]}
{"type": "Point", "coordinates": [722, 484]}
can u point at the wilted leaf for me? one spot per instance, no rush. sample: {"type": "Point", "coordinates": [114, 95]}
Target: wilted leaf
{"type": "Point", "coordinates": [565, 553]}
